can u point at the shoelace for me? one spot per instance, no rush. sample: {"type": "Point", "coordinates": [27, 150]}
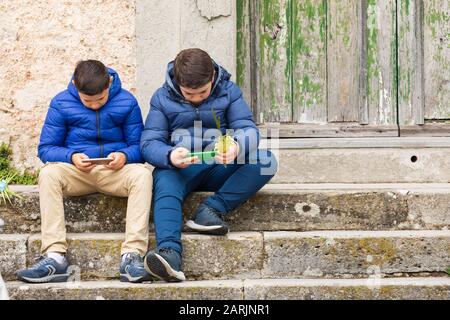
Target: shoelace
{"type": "Point", "coordinates": [215, 213]}
{"type": "Point", "coordinates": [166, 250]}
{"type": "Point", "coordinates": [41, 262]}
{"type": "Point", "coordinates": [133, 257]}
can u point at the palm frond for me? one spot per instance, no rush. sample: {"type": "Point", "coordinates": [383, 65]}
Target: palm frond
{"type": "Point", "coordinates": [7, 197]}
{"type": "Point", "coordinates": [3, 196]}
{"type": "Point", "coordinates": [216, 118]}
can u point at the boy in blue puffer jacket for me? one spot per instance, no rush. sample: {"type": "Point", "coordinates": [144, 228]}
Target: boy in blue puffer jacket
{"type": "Point", "coordinates": [197, 104]}
{"type": "Point", "coordinates": [93, 118]}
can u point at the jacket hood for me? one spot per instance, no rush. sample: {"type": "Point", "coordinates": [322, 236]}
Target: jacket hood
{"type": "Point", "coordinates": [114, 89]}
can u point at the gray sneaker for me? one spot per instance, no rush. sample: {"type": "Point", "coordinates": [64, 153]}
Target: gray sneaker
{"type": "Point", "coordinates": [132, 269]}
{"type": "Point", "coordinates": [208, 221]}
{"type": "Point", "coordinates": [164, 264]}
{"type": "Point", "coordinates": [45, 270]}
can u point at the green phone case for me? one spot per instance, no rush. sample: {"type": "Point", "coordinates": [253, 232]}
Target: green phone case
{"type": "Point", "coordinates": [202, 155]}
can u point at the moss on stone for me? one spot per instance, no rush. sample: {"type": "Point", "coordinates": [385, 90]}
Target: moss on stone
{"type": "Point", "coordinates": [6, 169]}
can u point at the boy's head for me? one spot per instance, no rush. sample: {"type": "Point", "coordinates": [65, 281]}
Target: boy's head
{"type": "Point", "coordinates": [92, 80]}
{"type": "Point", "coordinates": [194, 73]}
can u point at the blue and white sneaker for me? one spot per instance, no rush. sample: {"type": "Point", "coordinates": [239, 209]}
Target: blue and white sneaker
{"type": "Point", "coordinates": [164, 264]}
{"type": "Point", "coordinates": [132, 269]}
{"type": "Point", "coordinates": [208, 221]}
{"type": "Point", "coordinates": [45, 270]}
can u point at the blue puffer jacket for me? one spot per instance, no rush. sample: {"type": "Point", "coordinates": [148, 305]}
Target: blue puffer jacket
{"type": "Point", "coordinates": [170, 123]}
{"type": "Point", "coordinates": [71, 128]}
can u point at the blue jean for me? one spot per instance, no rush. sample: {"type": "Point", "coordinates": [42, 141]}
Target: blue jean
{"type": "Point", "coordinates": [232, 185]}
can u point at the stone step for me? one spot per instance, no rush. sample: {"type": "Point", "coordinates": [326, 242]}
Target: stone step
{"type": "Point", "coordinates": [243, 255]}
{"type": "Point", "coordinates": [362, 160]}
{"type": "Point", "coordinates": [298, 207]}
{"type": "Point", "coordinates": [256, 289]}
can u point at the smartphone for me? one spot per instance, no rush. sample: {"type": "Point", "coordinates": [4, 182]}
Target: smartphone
{"type": "Point", "coordinates": [202, 155]}
{"type": "Point", "coordinates": [98, 161]}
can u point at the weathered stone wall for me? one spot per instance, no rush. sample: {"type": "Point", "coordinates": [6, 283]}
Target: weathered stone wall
{"type": "Point", "coordinates": [163, 28]}
{"type": "Point", "coordinates": [41, 41]}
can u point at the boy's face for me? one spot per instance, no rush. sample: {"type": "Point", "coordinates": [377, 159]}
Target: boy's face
{"type": "Point", "coordinates": [197, 96]}
{"type": "Point", "coordinates": [97, 101]}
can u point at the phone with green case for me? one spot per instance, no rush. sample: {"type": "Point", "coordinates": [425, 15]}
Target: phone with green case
{"type": "Point", "coordinates": [206, 155]}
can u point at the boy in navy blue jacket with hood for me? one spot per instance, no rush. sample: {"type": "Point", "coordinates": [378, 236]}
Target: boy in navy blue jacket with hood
{"type": "Point", "coordinates": [197, 104]}
{"type": "Point", "coordinates": [94, 118]}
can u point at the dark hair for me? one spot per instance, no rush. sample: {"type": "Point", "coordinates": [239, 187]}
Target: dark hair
{"type": "Point", "coordinates": [91, 77]}
{"type": "Point", "coordinates": [193, 68]}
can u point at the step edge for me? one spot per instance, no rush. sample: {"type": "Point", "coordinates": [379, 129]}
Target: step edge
{"type": "Point", "coordinates": [233, 283]}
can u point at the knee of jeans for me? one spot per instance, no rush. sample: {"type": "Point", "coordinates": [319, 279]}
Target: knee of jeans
{"type": "Point", "coordinates": [168, 189]}
{"type": "Point", "coordinates": [50, 173]}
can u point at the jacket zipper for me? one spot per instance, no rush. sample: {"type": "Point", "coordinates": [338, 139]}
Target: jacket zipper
{"type": "Point", "coordinates": [197, 113]}
{"type": "Point", "coordinates": [98, 134]}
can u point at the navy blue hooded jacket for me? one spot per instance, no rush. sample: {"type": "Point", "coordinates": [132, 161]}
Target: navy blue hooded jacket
{"type": "Point", "coordinates": [70, 127]}
{"type": "Point", "coordinates": [170, 122]}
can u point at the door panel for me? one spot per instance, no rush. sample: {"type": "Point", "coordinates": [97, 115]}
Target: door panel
{"type": "Point", "coordinates": [309, 61]}
{"type": "Point", "coordinates": [437, 59]}
{"type": "Point", "coordinates": [381, 62]}
{"type": "Point", "coordinates": [343, 72]}
{"type": "Point", "coordinates": [410, 60]}
{"type": "Point", "coordinates": [274, 76]}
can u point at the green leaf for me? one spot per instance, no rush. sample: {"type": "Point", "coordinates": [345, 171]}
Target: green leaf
{"type": "Point", "coordinates": [216, 119]}
{"type": "Point", "coordinates": [448, 271]}
{"type": "Point", "coordinates": [15, 195]}
{"type": "Point", "coordinates": [3, 196]}
{"type": "Point", "coordinates": [7, 197]}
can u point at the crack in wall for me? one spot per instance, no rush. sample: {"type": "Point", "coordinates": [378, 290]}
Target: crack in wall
{"type": "Point", "coordinates": [213, 9]}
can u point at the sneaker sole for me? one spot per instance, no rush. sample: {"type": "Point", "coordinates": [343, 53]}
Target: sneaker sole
{"type": "Point", "coordinates": [160, 268]}
{"type": "Point", "coordinates": [124, 277]}
{"type": "Point", "coordinates": [211, 230]}
{"type": "Point", "coordinates": [53, 278]}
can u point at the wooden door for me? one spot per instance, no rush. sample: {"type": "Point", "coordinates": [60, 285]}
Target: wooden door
{"type": "Point", "coordinates": [344, 67]}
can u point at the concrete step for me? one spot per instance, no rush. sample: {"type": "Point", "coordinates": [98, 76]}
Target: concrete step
{"type": "Point", "coordinates": [298, 207]}
{"type": "Point", "coordinates": [362, 160]}
{"type": "Point", "coordinates": [243, 255]}
{"type": "Point", "coordinates": [257, 289]}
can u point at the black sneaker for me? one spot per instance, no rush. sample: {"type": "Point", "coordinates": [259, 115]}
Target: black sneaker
{"type": "Point", "coordinates": [132, 269]}
{"type": "Point", "coordinates": [164, 264]}
{"type": "Point", "coordinates": [208, 221]}
{"type": "Point", "coordinates": [45, 270]}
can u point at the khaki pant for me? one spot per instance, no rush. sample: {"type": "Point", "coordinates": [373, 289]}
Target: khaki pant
{"type": "Point", "coordinates": [62, 179]}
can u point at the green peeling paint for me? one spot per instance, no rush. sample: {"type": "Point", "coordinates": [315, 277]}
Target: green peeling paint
{"type": "Point", "coordinates": [241, 40]}
{"type": "Point", "coordinates": [308, 50]}
{"type": "Point", "coordinates": [394, 63]}
{"type": "Point", "coordinates": [437, 22]}
{"type": "Point", "coordinates": [293, 57]}
{"type": "Point", "coordinates": [373, 68]}
{"type": "Point", "coordinates": [274, 42]}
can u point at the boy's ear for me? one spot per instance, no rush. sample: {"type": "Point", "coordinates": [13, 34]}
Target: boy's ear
{"type": "Point", "coordinates": [111, 80]}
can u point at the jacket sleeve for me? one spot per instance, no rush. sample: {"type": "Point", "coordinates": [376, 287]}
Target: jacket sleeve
{"type": "Point", "coordinates": [240, 119]}
{"type": "Point", "coordinates": [132, 130]}
{"type": "Point", "coordinates": [53, 135]}
{"type": "Point", "coordinates": [155, 144]}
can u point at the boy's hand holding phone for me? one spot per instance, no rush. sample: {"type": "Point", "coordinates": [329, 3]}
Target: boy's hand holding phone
{"type": "Point", "coordinates": [119, 161]}
{"type": "Point", "coordinates": [115, 161]}
{"type": "Point", "coordinates": [77, 160]}
{"type": "Point", "coordinates": [179, 158]}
